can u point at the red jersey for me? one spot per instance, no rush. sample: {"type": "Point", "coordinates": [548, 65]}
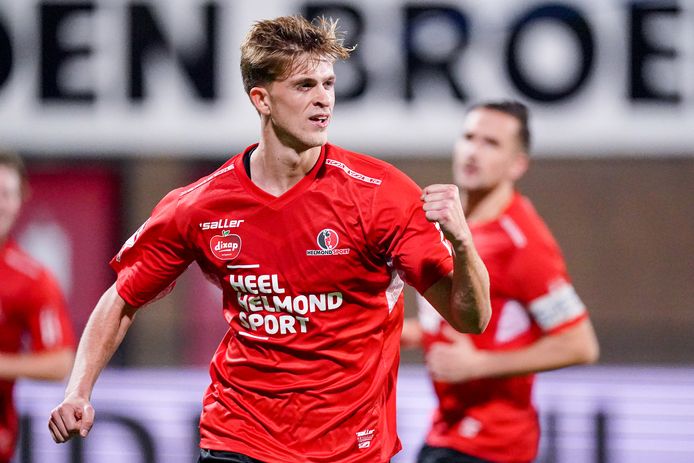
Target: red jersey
{"type": "Point", "coordinates": [312, 284]}
{"type": "Point", "coordinates": [30, 303]}
{"type": "Point", "coordinates": [531, 296]}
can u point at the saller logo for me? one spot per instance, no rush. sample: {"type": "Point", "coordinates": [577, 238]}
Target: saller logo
{"type": "Point", "coordinates": [327, 240]}
{"type": "Point", "coordinates": [221, 223]}
{"type": "Point", "coordinates": [225, 246]}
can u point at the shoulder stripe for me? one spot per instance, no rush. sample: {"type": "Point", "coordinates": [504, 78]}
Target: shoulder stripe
{"type": "Point", "coordinates": [351, 173]}
{"type": "Point", "coordinates": [514, 232]}
{"type": "Point", "coordinates": [208, 179]}
{"type": "Point", "coordinates": [23, 264]}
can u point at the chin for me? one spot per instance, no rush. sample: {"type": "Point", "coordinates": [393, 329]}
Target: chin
{"type": "Point", "coordinates": [315, 142]}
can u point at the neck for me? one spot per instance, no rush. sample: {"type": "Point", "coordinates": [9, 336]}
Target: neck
{"type": "Point", "coordinates": [277, 168]}
{"type": "Point", "coordinates": [487, 205]}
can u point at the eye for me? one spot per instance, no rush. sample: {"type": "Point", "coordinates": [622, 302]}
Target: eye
{"type": "Point", "coordinates": [491, 141]}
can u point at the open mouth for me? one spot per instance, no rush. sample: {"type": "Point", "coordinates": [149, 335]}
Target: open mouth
{"type": "Point", "coordinates": [320, 120]}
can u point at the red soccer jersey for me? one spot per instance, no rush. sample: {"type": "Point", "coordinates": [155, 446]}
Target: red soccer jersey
{"type": "Point", "coordinates": [312, 285]}
{"type": "Point", "coordinates": [531, 296]}
{"type": "Point", "coordinates": [30, 303]}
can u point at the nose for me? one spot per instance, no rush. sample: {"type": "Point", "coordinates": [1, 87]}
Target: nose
{"type": "Point", "coordinates": [472, 149]}
{"type": "Point", "coordinates": [324, 96]}
{"type": "Point", "coordinates": [467, 149]}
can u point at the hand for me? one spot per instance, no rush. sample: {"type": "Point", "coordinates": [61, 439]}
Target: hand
{"type": "Point", "coordinates": [455, 362]}
{"type": "Point", "coordinates": [75, 416]}
{"type": "Point", "coordinates": [442, 205]}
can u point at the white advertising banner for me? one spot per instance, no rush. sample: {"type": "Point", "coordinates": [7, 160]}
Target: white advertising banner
{"type": "Point", "coordinates": [602, 77]}
{"type": "Point", "coordinates": [588, 415]}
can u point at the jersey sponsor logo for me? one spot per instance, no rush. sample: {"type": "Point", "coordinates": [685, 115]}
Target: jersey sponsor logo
{"type": "Point", "coordinates": [364, 438]}
{"type": "Point", "coordinates": [225, 246]}
{"type": "Point", "coordinates": [327, 241]}
{"type": "Point", "coordinates": [266, 306]}
{"type": "Point", "coordinates": [220, 224]}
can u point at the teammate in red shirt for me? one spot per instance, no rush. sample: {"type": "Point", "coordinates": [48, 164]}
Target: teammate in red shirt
{"type": "Point", "coordinates": [30, 304]}
{"type": "Point", "coordinates": [310, 244]}
{"type": "Point", "coordinates": [484, 382]}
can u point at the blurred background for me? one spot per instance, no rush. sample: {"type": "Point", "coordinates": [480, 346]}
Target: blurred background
{"type": "Point", "coordinates": [113, 103]}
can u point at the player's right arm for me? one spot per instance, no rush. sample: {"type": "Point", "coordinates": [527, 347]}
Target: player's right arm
{"type": "Point", "coordinates": [104, 332]}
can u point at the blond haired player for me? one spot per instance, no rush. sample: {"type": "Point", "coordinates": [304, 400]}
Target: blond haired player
{"type": "Point", "coordinates": [310, 244]}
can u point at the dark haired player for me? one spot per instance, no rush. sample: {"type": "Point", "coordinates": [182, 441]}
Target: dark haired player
{"type": "Point", "coordinates": [484, 382]}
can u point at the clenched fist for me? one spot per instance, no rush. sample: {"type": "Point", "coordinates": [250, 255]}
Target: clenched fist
{"type": "Point", "coordinates": [442, 205]}
{"type": "Point", "coordinates": [73, 417]}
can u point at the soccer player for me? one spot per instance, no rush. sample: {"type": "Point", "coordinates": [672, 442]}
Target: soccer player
{"type": "Point", "coordinates": [310, 244]}
{"type": "Point", "coordinates": [30, 304]}
{"type": "Point", "coordinates": [484, 382]}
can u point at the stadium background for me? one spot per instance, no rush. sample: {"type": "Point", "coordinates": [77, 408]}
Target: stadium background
{"type": "Point", "coordinates": [114, 102]}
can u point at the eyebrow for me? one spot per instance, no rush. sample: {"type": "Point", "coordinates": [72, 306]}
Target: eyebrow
{"type": "Point", "coordinates": [307, 78]}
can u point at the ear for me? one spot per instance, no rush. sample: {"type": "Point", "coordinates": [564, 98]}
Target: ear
{"type": "Point", "coordinates": [520, 165]}
{"type": "Point", "coordinates": [261, 100]}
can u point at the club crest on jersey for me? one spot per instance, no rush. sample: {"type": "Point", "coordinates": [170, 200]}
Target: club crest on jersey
{"type": "Point", "coordinates": [327, 241]}
{"type": "Point", "coordinates": [225, 246]}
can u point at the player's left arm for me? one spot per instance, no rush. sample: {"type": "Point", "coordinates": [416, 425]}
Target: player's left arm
{"type": "Point", "coordinates": [461, 361]}
{"type": "Point", "coordinates": [462, 297]}
{"type": "Point", "coordinates": [53, 365]}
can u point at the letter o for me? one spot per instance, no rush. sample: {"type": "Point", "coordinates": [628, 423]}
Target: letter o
{"type": "Point", "coordinates": [568, 17]}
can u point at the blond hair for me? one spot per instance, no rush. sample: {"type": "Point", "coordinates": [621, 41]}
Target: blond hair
{"type": "Point", "coordinates": [273, 48]}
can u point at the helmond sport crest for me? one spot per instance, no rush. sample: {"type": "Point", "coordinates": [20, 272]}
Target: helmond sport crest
{"type": "Point", "coordinates": [327, 241]}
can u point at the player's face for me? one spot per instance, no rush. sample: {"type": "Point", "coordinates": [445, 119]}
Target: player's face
{"type": "Point", "coordinates": [10, 199]}
{"type": "Point", "coordinates": [301, 106]}
{"type": "Point", "coordinates": [489, 152]}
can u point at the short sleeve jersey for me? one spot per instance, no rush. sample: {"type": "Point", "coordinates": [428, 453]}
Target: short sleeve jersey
{"type": "Point", "coordinates": [33, 311]}
{"type": "Point", "coordinates": [312, 284]}
{"type": "Point", "coordinates": [531, 296]}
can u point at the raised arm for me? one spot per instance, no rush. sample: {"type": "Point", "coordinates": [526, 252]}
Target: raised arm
{"type": "Point", "coordinates": [462, 298]}
{"type": "Point", "coordinates": [104, 332]}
